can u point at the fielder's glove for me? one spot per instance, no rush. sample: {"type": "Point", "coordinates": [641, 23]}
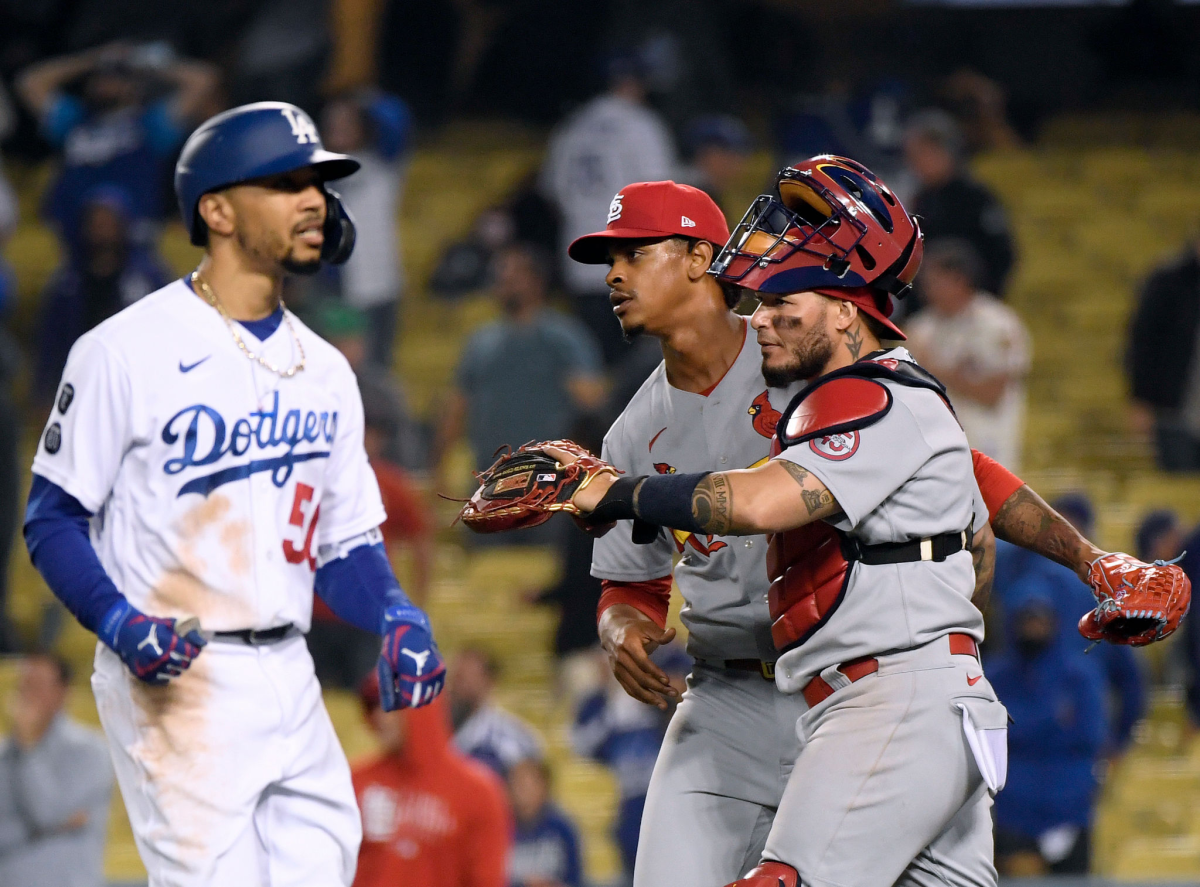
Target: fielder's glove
{"type": "Point", "coordinates": [148, 645]}
{"type": "Point", "coordinates": [411, 670]}
{"type": "Point", "coordinates": [524, 488]}
{"type": "Point", "coordinates": [1136, 603]}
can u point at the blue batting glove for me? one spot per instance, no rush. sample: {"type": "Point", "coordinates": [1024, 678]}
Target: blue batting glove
{"type": "Point", "coordinates": [148, 645]}
{"type": "Point", "coordinates": [411, 670]}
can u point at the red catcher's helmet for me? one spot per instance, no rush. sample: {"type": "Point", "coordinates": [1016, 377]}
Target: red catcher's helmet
{"type": "Point", "coordinates": [832, 224]}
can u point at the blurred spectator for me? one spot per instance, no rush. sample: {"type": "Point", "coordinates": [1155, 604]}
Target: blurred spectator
{"type": "Point", "coordinates": [1020, 572]}
{"type": "Point", "coordinates": [377, 129]}
{"type": "Point", "coordinates": [280, 53]}
{"type": "Point", "coordinates": [482, 729]}
{"type": "Point", "coordinates": [978, 102]}
{"type": "Point", "coordinates": [10, 364]}
{"type": "Point", "coordinates": [431, 816]}
{"type": "Point", "coordinates": [346, 329]}
{"type": "Point", "coordinates": [951, 203]}
{"type": "Point", "coordinates": [114, 128]}
{"type": "Point", "coordinates": [717, 147]}
{"type": "Point", "coordinates": [55, 784]}
{"type": "Point", "coordinates": [611, 141]}
{"type": "Point", "coordinates": [977, 346]}
{"type": "Point", "coordinates": [108, 271]}
{"type": "Point", "coordinates": [617, 730]}
{"type": "Point", "coordinates": [527, 376]}
{"type": "Point", "coordinates": [1055, 738]}
{"type": "Point", "coordinates": [545, 850]}
{"type": "Point", "coordinates": [1159, 536]}
{"type": "Point", "coordinates": [1164, 373]}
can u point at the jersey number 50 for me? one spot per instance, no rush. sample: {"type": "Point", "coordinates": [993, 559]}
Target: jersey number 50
{"type": "Point", "coordinates": [298, 554]}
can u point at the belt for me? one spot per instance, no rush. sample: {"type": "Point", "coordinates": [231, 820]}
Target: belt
{"type": "Point", "coordinates": [929, 548]}
{"type": "Point", "coordinates": [818, 689]}
{"type": "Point", "coordinates": [760, 667]}
{"type": "Point", "coordinates": [257, 637]}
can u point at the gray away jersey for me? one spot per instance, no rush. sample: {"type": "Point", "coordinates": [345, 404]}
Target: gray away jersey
{"type": "Point", "coordinates": [907, 476]}
{"type": "Point", "coordinates": [723, 579]}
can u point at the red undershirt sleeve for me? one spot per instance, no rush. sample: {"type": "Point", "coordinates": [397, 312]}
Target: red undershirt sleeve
{"type": "Point", "coordinates": [996, 482]}
{"type": "Point", "coordinates": [652, 597]}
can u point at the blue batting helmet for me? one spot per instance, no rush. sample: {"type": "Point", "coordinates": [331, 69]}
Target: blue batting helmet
{"type": "Point", "coordinates": [251, 142]}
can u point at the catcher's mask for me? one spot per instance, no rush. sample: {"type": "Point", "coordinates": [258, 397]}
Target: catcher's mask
{"type": "Point", "coordinates": [831, 224]}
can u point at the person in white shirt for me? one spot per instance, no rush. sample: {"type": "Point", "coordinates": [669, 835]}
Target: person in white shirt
{"type": "Point", "coordinates": [976, 345]}
{"type": "Point", "coordinates": [612, 140]}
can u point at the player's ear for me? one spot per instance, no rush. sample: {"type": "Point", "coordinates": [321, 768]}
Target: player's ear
{"type": "Point", "coordinates": [218, 213]}
{"type": "Point", "coordinates": [699, 259]}
{"type": "Point", "coordinates": [844, 315]}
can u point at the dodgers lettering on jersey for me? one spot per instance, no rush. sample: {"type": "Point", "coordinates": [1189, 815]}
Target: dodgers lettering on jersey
{"type": "Point", "coordinates": [723, 580]}
{"type": "Point", "coordinates": [906, 476]}
{"type": "Point", "coordinates": [213, 480]}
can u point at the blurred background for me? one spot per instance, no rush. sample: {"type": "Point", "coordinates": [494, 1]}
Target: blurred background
{"type": "Point", "coordinates": [1052, 149]}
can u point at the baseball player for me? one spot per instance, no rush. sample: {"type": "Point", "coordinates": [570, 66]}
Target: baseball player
{"type": "Point", "coordinates": [732, 743]}
{"type": "Point", "coordinates": [201, 472]}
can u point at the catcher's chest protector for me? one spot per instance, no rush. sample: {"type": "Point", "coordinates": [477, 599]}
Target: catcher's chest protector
{"type": "Point", "coordinates": [807, 566]}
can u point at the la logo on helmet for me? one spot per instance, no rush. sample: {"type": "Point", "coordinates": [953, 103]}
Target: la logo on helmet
{"type": "Point", "coordinates": [615, 208]}
{"type": "Point", "coordinates": [302, 127]}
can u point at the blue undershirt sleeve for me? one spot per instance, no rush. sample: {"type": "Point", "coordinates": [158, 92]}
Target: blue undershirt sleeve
{"type": "Point", "coordinates": [359, 586]}
{"type": "Point", "coordinates": [56, 534]}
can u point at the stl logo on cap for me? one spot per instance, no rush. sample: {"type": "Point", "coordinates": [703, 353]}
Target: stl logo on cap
{"type": "Point", "coordinates": [615, 208]}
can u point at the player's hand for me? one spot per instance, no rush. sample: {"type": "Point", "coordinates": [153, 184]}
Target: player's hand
{"type": "Point", "coordinates": [629, 636]}
{"type": "Point", "coordinates": [148, 645]}
{"type": "Point", "coordinates": [411, 670]}
{"type": "Point", "coordinates": [587, 498]}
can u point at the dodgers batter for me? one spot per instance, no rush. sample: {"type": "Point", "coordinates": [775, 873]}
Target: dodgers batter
{"type": "Point", "coordinates": [732, 742]}
{"type": "Point", "coordinates": [201, 472]}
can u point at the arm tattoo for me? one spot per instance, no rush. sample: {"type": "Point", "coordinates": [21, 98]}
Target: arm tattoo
{"type": "Point", "coordinates": [814, 500]}
{"type": "Point", "coordinates": [854, 342]}
{"type": "Point", "coordinates": [1026, 520]}
{"type": "Point", "coordinates": [712, 504]}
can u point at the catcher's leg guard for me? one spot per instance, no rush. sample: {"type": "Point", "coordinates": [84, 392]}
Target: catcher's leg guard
{"type": "Point", "coordinates": [769, 874]}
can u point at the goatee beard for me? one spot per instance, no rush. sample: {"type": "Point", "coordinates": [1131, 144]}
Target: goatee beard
{"type": "Point", "coordinates": [631, 333]}
{"type": "Point", "coordinates": [809, 356]}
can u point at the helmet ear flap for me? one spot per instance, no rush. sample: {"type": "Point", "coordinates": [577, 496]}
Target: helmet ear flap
{"type": "Point", "coordinates": [338, 229]}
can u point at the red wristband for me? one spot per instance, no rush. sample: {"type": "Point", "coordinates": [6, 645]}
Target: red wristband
{"type": "Point", "coordinates": [651, 597]}
{"type": "Point", "coordinates": [995, 481]}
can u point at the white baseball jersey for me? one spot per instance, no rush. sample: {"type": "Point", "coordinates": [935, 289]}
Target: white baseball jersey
{"type": "Point", "coordinates": [906, 476]}
{"type": "Point", "coordinates": [664, 430]}
{"type": "Point", "coordinates": [212, 480]}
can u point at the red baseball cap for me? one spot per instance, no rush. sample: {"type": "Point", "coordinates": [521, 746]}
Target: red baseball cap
{"type": "Point", "coordinates": [867, 300]}
{"type": "Point", "coordinates": [653, 209]}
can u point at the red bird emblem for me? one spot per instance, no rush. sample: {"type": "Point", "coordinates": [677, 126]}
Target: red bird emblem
{"type": "Point", "coordinates": [764, 416]}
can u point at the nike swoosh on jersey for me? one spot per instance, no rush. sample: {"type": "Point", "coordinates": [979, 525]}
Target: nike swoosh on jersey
{"type": "Point", "coordinates": [975, 680]}
{"type": "Point", "coordinates": [191, 366]}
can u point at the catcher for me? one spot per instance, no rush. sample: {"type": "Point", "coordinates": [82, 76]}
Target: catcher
{"type": "Point", "coordinates": [815, 499]}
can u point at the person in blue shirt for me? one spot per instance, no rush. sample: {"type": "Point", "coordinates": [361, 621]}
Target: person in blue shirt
{"type": "Point", "coordinates": [613, 728]}
{"type": "Point", "coordinates": [1056, 738]}
{"type": "Point", "coordinates": [1019, 570]}
{"type": "Point", "coordinates": [108, 272]}
{"type": "Point", "coordinates": [99, 111]}
{"type": "Point", "coordinates": [545, 850]}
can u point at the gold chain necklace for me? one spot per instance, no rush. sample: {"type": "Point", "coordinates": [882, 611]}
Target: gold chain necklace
{"type": "Point", "coordinates": [212, 300]}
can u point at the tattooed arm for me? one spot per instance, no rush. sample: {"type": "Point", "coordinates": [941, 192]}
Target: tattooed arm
{"type": "Point", "coordinates": [769, 499]}
{"type": "Point", "coordinates": [1026, 520]}
{"type": "Point", "coordinates": [983, 553]}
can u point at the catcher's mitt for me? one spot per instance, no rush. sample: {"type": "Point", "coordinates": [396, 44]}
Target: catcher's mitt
{"type": "Point", "coordinates": [524, 488]}
{"type": "Point", "coordinates": [1136, 603]}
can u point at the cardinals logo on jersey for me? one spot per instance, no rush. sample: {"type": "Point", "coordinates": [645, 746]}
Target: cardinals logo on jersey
{"type": "Point", "coordinates": [763, 416]}
{"type": "Point", "coordinates": [683, 539]}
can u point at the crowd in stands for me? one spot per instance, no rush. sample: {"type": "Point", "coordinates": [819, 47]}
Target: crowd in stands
{"type": "Point", "coordinates": [461, 791]}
